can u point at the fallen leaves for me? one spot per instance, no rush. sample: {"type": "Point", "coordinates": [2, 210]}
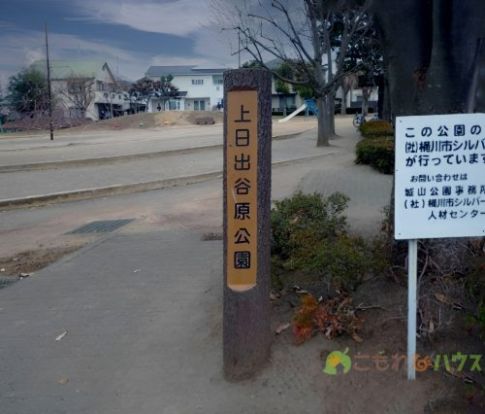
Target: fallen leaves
{"type": "Point", "coordinates": [331, 317]}
{"type": "Point", "coordinates": [282, 327]}
{"type": "Point", "coordinates": [61, 336]}
{"type": "Point", "coordinates": [443, 299]}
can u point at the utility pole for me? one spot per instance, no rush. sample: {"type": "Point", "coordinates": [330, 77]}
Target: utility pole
{"type": "Point", "coordinates": [238, 50]}
{"type": "Point", "coordinates": [49, 90]}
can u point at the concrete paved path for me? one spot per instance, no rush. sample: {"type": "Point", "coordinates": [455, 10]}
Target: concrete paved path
{"type": "Point", "coordinates": [132, 324]}
{"type": "Point", "coordinates": [143, 321]}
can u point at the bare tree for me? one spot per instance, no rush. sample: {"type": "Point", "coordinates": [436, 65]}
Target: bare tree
{"type": "Point", "coordinates": [366, 93]}
{"type": "Point", "coordinates": [78, 94]}
{"type": "Point", "coordinates": [311, 36]}
{"type": "Point", "coordinates": [349, 83]}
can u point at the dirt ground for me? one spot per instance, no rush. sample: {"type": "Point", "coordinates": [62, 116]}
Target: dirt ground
{"type": "Point", "coordinates": [135, 121]}
{"type": "Point", "coordinates": [28, 262]}
{"type": "Point", "coordinates": [377, 383]}
{"type": "Point", "coordinates": [150, 120]}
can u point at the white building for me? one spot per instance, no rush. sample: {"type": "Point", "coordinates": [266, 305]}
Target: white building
{"type": "Point", "coordinates": [85, 88]}
{"type": "Point", "coordinates": [285, 100]}
{"type": "Point", "coordinates": [355, 99]}
{"type": "Point", "coordinates": [199, 89]}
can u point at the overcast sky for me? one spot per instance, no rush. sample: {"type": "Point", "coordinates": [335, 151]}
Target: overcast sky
{"type": "Point", "coordinates": [130, 34]}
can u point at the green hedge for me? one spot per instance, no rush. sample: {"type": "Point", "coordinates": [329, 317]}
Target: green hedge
{"type": "Point", "coordinates": [376, 152]}
{"type": "Point", "coordinates": [376, 128]}
{"type": "Point", "coordinates": [310, 243]}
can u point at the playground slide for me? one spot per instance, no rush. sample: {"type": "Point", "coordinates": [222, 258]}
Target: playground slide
{"type": "Point", "coordinates": [293, 114]}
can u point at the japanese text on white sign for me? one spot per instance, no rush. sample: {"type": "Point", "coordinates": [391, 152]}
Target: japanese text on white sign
{"type": "Point", "coordinates": [440, 176]}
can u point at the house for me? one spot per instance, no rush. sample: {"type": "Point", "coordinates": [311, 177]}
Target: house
{"type": "Point", "coordinates": [199, 89]}
{"type": "Point", "coordinates": [85, 89]}
{"type": "Point", "coordinates": [285, 99]}
{"type": "Point", "coordinates": [203, 90]}
{"type": "Point", "coordinates": [356, 96]}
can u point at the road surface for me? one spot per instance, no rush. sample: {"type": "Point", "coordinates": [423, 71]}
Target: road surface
{"type": "Point", "coordinates": [199, 206]}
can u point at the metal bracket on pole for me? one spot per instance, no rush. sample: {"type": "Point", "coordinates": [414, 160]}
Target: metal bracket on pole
{"type": "Point", "coordinates": [412, 307]}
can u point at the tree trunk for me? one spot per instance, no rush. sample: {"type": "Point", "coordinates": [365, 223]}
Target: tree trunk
{"type": "Point", "coordinates": [386, 104]}
{"type": "Point", "coordinates": [343, 107]}
{"type": "Point", "coordinates": [366, 93]}
{"type": "Point", "coordinates": [430, 47]}
{"type": "Point", "coordinates": [406, 31]}
{"type": "Point", "coordinates": [331, 112]}
{"type": "Point", "coordinates": [324, 122]}
{"type": "Point", "coordinates": [365, 105]}
{"type": "Point", "coordinates": [429, 54]}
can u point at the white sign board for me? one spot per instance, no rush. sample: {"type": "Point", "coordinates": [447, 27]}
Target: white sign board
{"type": "Point", "coordinates": [440, 176]}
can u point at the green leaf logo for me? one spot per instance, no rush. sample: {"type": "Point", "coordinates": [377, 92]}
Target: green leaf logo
{"type": "Point", "coordinates": [338, 362]}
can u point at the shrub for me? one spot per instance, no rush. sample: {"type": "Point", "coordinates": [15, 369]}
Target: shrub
{"type": "Point", "coordinates": [344, 260]}
{"type": "Point", "coordinates": [309, 238]}
{"type": "Point", "coordinates": [376, 152]}
{"type": "Point", "coordinates": [475, 282]}
{"type": "Point", "coordinates": [205, 120]}
{"type": "Point", "coordinates": [301, 221]}
{"type": "Point", "coordinates": [376, 128]}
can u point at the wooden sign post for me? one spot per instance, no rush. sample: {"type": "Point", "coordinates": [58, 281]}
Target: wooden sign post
{"type": "Point", "coordinates": [247, 201]}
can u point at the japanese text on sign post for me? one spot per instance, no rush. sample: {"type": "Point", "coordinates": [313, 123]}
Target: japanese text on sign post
{"type": "Point", "coordinates": [242, 189]}
{"type": "Point", "coordinates": [440, 176]}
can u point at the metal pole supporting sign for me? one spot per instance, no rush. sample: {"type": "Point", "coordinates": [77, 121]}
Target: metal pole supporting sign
{"type": "Point", "coordinates": [412, 306]}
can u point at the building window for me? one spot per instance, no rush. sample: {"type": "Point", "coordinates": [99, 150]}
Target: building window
{"type": "Point", "coordinates": [199, 105]}
{"type": "Point", "coordinates": [218, 81]}
{"type": "Point", "coordinates": [197, 81]}
{"type": "Point", "coordinates": [174, 105]}
{"type": "Point", "coordinates": [76, 86]}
